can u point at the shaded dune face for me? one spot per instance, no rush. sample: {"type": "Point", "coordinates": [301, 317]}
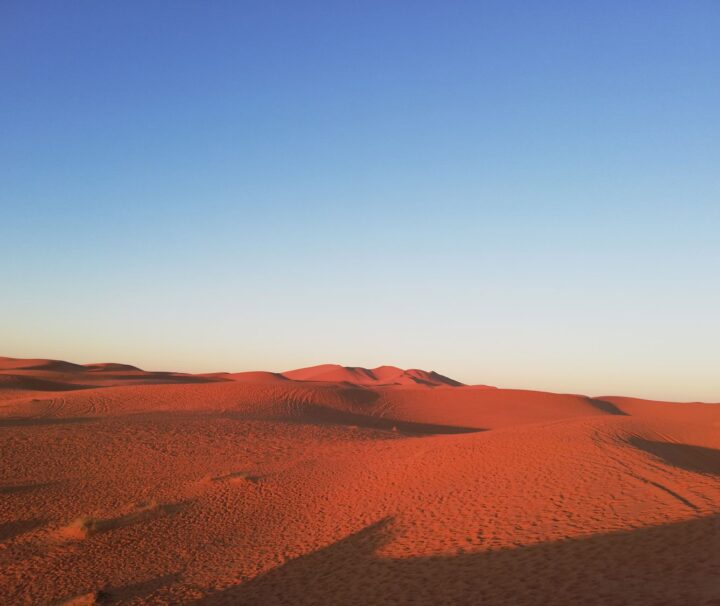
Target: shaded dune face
{"type": "Point", "coordinates": [334, 485]}
{"type": "Point", "coordinates": [57, 375]}
{"type": "Point", "coordinates": [38, 364]}
{"type": "Point", "coordinates": [660, 558]}
{"type": "Point", "coordinates": [380, 376]}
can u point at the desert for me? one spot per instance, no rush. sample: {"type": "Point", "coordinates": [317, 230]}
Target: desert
{"type": "Point", "coordinates": [359, 303]}
{"type": "Point", "coordinates": [337, 485]}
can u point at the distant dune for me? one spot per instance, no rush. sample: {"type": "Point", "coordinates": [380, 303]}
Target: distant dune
{"type": "Point", "coordinates": [347, 485]}
{"type": "Point", "coordinates": [380, 376]}
{"type": "Point", "coordinates": [110, 367]}
{"type": "Point", "coordinates": [38, 364]}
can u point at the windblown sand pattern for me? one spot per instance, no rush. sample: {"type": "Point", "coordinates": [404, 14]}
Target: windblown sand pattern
{"type": "Point", "coordinates": [335, 485]}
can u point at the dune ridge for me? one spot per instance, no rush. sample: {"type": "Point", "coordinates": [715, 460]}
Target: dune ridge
{"type": "Point", "coordinates": [380, 376]}
{"type": "Point", "coordinates": [335, 484]}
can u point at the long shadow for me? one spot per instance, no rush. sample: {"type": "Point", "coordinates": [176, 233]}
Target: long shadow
{"type": "Point", "coordinates": [607, 407]}
{"type": "Point", "coordinates": [10, 530]}
{"type": "Point", "coordinates": [136, 591]}
{"type": "Point", "coordinates": [315, 414]}
{"type": "Point", "coordinates": [24, 488]}
{"type": "Point", "coordinates": [22, 383]}
{"type": "Point", "coordinates": [85, 526]}
{"type": "Point", "coordinates": [675, 564]}
{"type": "Point", "coordinates": [38, 421]}
{"type": "Point", "coordinates": [159, 379]}
{"type": "Point", "coordinates": [327, 415]}
{"type": "Point", "coordinates": [698, 459]}
{"type": "Point", "coordinates": [29, 383]}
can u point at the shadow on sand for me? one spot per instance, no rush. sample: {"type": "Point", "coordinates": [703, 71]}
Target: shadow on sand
{"type": "Point", "coordinates": [330, 416]}
{"type": "Point", "coordinates": [10, 530]}
{"type": "Point", "coordinates": [698, 459]}
{"type": "Point", "coordinates": [6, 489]}
{"type": "Point", "coordinates": [606, 407]}
{"type": "Point", "coordinates": [316, 414]}
{"type": "Point", "coordinates": [38, 421]}
{"type": "Point", "coordinates": [671, 564]}
{"type": "Point", "coordinates": [135, 591]}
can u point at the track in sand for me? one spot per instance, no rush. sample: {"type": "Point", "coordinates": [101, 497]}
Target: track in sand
{"type": "Point", "coordinates": [340, 485]}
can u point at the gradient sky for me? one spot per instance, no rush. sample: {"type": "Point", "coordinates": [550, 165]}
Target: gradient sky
{"type": "Point", "coordinates": [524, 194]}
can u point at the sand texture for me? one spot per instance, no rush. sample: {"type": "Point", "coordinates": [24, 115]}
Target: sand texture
{"type": "Point", "coordinates": [335, 485]}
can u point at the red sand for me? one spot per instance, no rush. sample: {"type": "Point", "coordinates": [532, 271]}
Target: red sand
{"type": "Point", "coordinates": [336, 485]}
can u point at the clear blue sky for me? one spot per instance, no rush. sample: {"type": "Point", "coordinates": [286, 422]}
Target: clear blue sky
{"type": "Point", "coordinates": [517, 193]}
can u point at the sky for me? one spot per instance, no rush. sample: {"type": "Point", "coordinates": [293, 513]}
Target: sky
{"type": "Point", "coordinates": [522, 194]}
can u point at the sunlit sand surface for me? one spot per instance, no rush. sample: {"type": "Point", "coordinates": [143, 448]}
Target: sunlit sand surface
{"type": "Point", "coordinates": [336, 485]}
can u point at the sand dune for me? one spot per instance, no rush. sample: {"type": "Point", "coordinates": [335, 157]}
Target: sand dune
{"type": "Point", "coordinates": [336, 485]}
{"type": "Point", "coordinates": [38, 364]}
{"type": "Point", "coordinates": [380, 376]}
{"type": "Point", "coordinates": [110, 367]}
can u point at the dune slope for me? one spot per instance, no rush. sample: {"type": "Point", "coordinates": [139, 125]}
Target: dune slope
{"type": "Point", "coordinates": [348, 486]}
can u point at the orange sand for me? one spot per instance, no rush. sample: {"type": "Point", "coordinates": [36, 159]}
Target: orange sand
{"type": "Point", "coordinates": [335, 485]}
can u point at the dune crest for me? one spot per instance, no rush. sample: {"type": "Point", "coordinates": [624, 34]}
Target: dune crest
{"type": "Point", "coordinates": [380, 376]}
{"type": "Point", "coordinates": [350, 485]}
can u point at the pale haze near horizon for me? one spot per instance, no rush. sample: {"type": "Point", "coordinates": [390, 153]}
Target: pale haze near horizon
{"type": "Point", "coordinates": [521, 197]}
